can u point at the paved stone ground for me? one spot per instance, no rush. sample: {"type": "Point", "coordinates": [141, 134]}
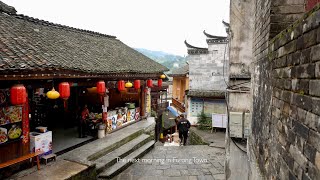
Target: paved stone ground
{"type": "Point", "coordinates": [214, 139]}
{"type": "Point", "coordinates": [184, 162]}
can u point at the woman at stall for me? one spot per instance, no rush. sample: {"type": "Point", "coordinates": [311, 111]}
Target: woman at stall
{"type": "Point", "coordinates": [83, 121]}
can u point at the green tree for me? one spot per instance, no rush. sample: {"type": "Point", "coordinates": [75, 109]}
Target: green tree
{"type": "Point", "coordinates": [204, 122]}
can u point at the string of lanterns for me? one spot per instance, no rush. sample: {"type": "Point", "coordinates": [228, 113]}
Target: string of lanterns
{"type": "Point", "coordinates": [18, 93]}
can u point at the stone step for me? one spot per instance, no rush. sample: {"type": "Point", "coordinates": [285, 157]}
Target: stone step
{"type": "Point", "coordinates": [115, 145]}
{"type": "Point", "coordinates": [90, 152]}
{"type": "Point", "coordinates": [126, 161]}
{"type": "Point", "coordinates": [111, 158]}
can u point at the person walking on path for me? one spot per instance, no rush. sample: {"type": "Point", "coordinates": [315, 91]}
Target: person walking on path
{"type": "Point", "coordinates": [183, 128]}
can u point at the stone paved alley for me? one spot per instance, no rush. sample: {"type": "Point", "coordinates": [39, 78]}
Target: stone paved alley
{"type": "Point", "coordinates": [171, 162]}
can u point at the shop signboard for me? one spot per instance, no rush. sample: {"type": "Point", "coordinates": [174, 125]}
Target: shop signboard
{"type": "Point", "coordinates": [10, 123]}
{"type": "Point", "coordinates": [137, 114]}
{"type": "Point", "coordinates": [118, 118]}
{"type": "Point", "coordinates": [148, 101]}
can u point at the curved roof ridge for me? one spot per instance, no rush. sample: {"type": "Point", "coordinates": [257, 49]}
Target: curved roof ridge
{"type": "Point", "coordinates": [225, 23]}
{"type": "Point", "coordinates": [193, 47]}
{"type": "Point", "coordinates": [47, 23]}
{"type": "Point", "coordinates": [213, 36]}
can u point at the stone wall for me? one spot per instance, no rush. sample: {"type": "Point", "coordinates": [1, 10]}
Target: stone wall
{"type": "Point", "coordinates": [286, 100]}
{"type": "Point", "coordinates": [196, 139]}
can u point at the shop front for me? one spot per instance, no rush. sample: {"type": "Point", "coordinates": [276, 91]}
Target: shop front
{"type": "Point", "coordinates": [92, 70]}
{"type": "Point", "coordinates": [51, 124]}
{"type": "Point", "coordinates": [113, 108]}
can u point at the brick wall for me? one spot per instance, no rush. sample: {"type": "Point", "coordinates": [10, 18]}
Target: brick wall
{"type": "Point", "coordinates": [286, 90]}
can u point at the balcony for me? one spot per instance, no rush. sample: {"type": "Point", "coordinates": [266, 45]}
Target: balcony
{"type": "Point", "coordinates": [178, 105]}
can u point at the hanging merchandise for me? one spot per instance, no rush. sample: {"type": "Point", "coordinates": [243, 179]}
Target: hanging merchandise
{"type": "Point", "coordinates": [53, 94]}
{"type": "Point", "coordinates": [136, 84]}
{"type": "Point", "coordinates": [121, 85]}
{"type": "Point", "coordinates": [64, 90]}
{"type": "Point", "coordinates": [149, 83]}
{"type": "Point", "coordinates": [159, 82]}
{"type": "Point", "coordinates": [128, 84]}
{"type": "Point", "coordinates": [18, 94]}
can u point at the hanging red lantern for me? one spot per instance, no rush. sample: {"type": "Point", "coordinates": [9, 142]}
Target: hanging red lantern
{"type": "Point", "coordinates": [136, 84]}
{"type": "Point", "coordinates": [18, 94]}
{"type": "Point", "coordinates": [101, 87]}
{"type": "Point", "coordinates": [159, 82]}
{"type": "Point", "coordinates": [149, 83]}
{"type": "Point", "coordinates": [64, 90]}
{"type": "Point", "coordinates": [121, 85]}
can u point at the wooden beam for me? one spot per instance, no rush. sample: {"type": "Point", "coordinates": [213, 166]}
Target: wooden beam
{"type": "Point", "coordinates": [73, 75]}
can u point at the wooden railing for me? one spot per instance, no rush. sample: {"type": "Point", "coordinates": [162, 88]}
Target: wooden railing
{"type": "Point", "coordinates": [178, 105]}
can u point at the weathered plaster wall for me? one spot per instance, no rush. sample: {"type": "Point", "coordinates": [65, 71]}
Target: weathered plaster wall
{"type": "Point", "coordinates": [239, 96]}
{"type": "Point", "coordinates": [286, 101]}
{"type": "Point", "coordinates": [241, 35]}
{"type": "Point", "coordinates": [206, 70]}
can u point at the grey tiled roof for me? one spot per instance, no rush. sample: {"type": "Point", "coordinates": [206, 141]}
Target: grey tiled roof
{"type": "Point", "coordinates": [31, 44]}
{"type": "Point", "coordinates": [213, 36]}
{"type": "Point", "coordinates": [200, 93]}
{"type": "Point", "coordinates": [180, 71]}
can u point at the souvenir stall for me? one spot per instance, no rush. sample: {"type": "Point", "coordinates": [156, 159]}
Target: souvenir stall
{"type": "Point", "coordinates": [124, 103]}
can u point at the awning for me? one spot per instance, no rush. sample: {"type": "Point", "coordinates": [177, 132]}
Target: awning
{"type": "Point", "coordinates": [169, 116]}
{"type": "Point", "coordinates": [173, 111]}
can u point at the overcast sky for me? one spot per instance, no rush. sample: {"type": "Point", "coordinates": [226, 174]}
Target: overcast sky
{"type": "Point", "coordinates": [161, 25]}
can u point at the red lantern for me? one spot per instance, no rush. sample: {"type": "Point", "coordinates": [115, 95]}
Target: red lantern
{"type": "Point", "coordinates": [101, 87]}
{"type": "Point", "coordinates": [136, 84]}
{"type": "Point", "coordinates": [149, 83]}
{"type": "Point", "coordinates": [64, 90]}
{"type": "Point", "coordinates": [18, 94]}
{"type": "Point", "coordinates": [159, 82]}
{"type": "Point", "coordinates": [121, 85]}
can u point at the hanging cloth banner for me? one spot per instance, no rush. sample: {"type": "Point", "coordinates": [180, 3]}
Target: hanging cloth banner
{"type": "Point", "coordinates": [25, 122]}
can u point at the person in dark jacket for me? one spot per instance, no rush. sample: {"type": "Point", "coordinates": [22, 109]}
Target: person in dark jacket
{"type": "Point", "coordinates": [183, 128]}
{"type": "Point", "coordinates": [84, 115]}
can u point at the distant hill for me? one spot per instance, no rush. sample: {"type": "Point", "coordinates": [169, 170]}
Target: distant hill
{"type": "Point", "coordinates": [171, 61]}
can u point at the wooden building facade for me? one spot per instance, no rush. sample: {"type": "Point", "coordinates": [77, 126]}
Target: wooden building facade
{"type": "Point", "coordinates": [40, 55]}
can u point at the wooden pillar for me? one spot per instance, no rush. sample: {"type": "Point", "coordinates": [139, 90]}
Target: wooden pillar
{"type": "Point", "coordinates": [143, 101]}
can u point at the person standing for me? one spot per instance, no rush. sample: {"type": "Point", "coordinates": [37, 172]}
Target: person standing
{"type": "Point", "coordinates": [83, 121]}
{"type": "Point", "coordinates": [183, 128]}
